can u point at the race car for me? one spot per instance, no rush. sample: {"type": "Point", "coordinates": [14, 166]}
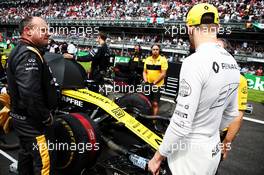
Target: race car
{"type": "Point", "coordinates": [101, 132]}
{"type": "Point", "coordinates": [95, 134]}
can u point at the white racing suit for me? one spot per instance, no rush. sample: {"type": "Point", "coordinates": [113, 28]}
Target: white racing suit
{"type": "Point", "coordinates": [208, 86]}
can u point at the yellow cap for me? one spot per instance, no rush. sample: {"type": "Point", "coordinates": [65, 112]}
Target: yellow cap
{"type": "Point", "coordinates": [195, 14]}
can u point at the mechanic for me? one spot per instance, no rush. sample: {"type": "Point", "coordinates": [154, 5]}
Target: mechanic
{"type": "Point", "coordinates": [155, 68]}
{"type": "Point", "coordinates": [100, 59]}
{"type": "Point", "coordinates": [228, 135]}
{"type": "Point", "coordinates": [33, 97]}
{"type": "Point", "coordinates": [4, 53]}
{"type": "Point", "coordinates": [234, 127]}
{"type": "Point", "coordinates": [137, 53]}
{"type": "Point", "coordinates": [136, 66]}
{"type": "Point", "coordinates": [136, 58]}
{"type": "Point", "coordinates": [191, 142]}
{"type": "Point", "coordinates": [3, 59]}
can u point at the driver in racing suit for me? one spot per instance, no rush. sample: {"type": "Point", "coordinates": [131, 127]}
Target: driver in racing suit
{"type": "Point", "coordinates": [33, 96]}
{"type": "Point", "coordinates": [191, 142]}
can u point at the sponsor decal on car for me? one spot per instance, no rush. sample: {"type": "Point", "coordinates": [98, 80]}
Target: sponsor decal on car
{"type": "Point", "coordinates": [116, 112]}
{"type": "Point", "coordinates": [72, 101]}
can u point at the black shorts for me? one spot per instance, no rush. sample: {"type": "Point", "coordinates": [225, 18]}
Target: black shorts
{"type": "Point", "coordinates": [155, 95]}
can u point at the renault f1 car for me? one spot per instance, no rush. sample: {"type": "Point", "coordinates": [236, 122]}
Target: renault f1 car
{"type": "Point", "coordinates": [98, 135]}
{"type": "Point", "coordinates": [114, 132]}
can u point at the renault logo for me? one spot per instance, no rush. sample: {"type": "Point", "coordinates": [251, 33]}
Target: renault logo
{"type": "Point", "coordinates": [215, 67]}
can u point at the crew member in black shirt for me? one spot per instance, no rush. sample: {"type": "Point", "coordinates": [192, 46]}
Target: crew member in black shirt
{"type": "Point", "coordinates": [100, 59]}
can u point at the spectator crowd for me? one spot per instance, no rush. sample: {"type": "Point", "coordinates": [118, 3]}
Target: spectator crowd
{"type": "Point", "coordinates": [252, 69]}
{"type": "Point", "coordinates": [229, 11]}
{"type": "Point", "coordinates": [250, 48]}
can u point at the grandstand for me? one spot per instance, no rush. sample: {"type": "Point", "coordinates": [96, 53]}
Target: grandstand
{"type": "Point", "coordinates": [158, 20]}
{"type": "Point", "coordinates": [235, 11]}
{"type": "Point", "coordinates": [130, 22]}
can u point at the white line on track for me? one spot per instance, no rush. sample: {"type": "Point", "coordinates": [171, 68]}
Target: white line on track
{"type": "Point", "coordinates": [8, 156]}
{"type": "Point", "coordinates": [167, 100]}
{"type": "Point", "coordinates": [254, 120]}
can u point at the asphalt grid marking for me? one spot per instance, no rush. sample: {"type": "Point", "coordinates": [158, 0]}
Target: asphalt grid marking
{"type": "Point", "coordinates": [167, 100]}
{"type": "Point", "coordinates": [8, 156]}
{"type": "Point", "coordinates": [254, 120]}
